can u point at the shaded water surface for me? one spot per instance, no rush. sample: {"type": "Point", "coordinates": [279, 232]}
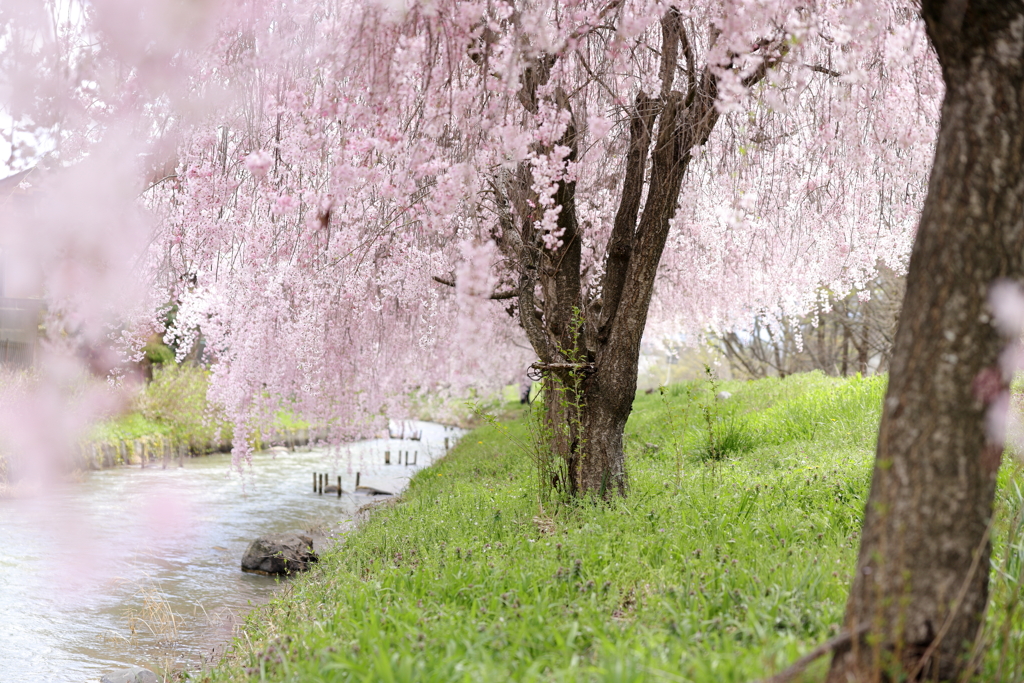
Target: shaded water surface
{"type": "Point", "coordinates": [141, 566]}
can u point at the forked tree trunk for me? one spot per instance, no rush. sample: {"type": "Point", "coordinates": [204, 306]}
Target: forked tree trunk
{"type": "Point", "coordinates": [604, 355]}
{"type": "Point", "coordinates": [921, 582]}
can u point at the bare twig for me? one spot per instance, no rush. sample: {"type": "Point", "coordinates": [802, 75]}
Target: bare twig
{"type": "Point", "coordinates": [797, 667]}
{"type": "Point", "coordinates": [167, 177]}
{"type": "Point", "coordinates": [496, 296]}
{"type": "Point", "coordinates": [823, 70]}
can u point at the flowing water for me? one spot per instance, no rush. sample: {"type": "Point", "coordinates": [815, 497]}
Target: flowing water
{"type": "Point", "coordinates": [141, 566]}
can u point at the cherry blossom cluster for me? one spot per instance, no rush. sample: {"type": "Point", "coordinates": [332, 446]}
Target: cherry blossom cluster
{"type": "Point", "coordinates": [319, 176]}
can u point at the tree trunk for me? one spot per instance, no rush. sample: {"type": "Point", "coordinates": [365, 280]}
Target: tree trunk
{"type": "Point", "coordinates": [846, 350]}
{"type": "Point", "coordinates": [562, 422]}
{"type": "Point", "coordinates": [922, 575]}
{"type": "Point", "coordinates": [609, 395]}
{"type": "Point", "coordinates": [864, 348]}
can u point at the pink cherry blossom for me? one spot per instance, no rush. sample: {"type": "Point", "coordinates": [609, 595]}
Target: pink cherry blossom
{"type": "Point", "coordinates": [259, 163]}
{"type": "Point", "coordinates": [307, 178]}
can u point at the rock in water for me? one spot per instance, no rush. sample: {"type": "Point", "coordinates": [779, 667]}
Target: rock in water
{"type": "Point", "coordinates": [279, 554]}
{"type": "Point", "coordinates": [133, 674]}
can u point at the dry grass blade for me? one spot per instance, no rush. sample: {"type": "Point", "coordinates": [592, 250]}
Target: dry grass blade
{"type": "Point", "coordinates": [545, 525]}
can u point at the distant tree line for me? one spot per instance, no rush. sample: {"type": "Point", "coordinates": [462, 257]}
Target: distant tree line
{"type": "Point", "coordinates": [847, 334]}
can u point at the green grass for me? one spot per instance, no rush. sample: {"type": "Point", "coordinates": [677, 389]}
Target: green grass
{"type": "Point", "coordinates": [173, 406]}
{"type": "Point", "coordinates": [131, 426]}
{"type": "Point", "coordinates": [711, 570]}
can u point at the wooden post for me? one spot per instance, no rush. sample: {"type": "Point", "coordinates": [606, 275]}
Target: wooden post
{"type": "Point", "coordinates": [357, 479]}
{"type": "Point", "coordinates": [314, 482]}
{"type": "Point", "coordinates": [320, 490]}
{"type": "Point", "coordinates": [339, 486]}
{"type": "Point", "coordinates": [387, 457]}
{"type": "Point", "coordinates": [415, 457]}
{"type": "Point", "coordinates": [446, 444]}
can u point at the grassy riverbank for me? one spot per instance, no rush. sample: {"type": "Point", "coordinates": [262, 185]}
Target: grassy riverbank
{"type": "Point", "coordinates": [172, 406]}
{"type": "Point", "coordinates": [172, 412]}
{"type": "Point", "coordinates": [730, 558]}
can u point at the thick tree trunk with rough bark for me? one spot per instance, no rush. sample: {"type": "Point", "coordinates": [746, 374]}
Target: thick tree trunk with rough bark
{"type": "Point", "coordinates": [922, 574]}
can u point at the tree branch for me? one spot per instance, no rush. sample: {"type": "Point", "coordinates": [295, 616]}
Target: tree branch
{"type": "Point", "coordinates": [496, 296]}
{"type": "Point", "coordinates": [769, 62]}
{"type": "Point", "coordinates": [684, 123]}
{"type": "Point", "coordinates": [671, 33]}
{"type": "Point", "coordinates": [526, 258]}
{"type": "Point", "coordinates": [645, 112]}
{"type": "Point", "coordinates": [620, 243]}
{"type": "Point", "coordinates": [576, 35]}
{"type": "Point", "coordinates": [823, 70]}
{"type": "Point", "coordinates": [691, 69]}
{"type": "Point", "coordinates": [536, 74]}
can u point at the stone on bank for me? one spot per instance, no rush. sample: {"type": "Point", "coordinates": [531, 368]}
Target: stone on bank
{"type": "Point", "coordinates": [279, 554]}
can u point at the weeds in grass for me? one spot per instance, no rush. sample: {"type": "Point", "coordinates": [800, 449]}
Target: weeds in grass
{"type": "Point", "coordinates": [723, 435]}
{"type": "Point", "coordinates": [677, 421]}
{"type": "Point", "coordinates": [534, 446]}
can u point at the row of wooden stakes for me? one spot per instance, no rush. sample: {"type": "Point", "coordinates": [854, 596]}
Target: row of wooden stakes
{"type": "Point", "coordinates": [321, 486]}
{"type": "Point", "coordinates": [319, 480]}
{"type": "Point", "coordinates": [415, 457]}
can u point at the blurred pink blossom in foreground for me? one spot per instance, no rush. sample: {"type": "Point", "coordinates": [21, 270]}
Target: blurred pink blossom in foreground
{"type": "Point", "coordinates": [1003, 416]}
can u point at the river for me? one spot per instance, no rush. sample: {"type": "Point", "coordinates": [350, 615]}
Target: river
{"type": "Point", "coordinates": [140, 566]}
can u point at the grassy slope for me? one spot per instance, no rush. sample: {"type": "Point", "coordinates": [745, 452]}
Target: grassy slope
{"type": "Point", "coordinates": [709, 571]}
